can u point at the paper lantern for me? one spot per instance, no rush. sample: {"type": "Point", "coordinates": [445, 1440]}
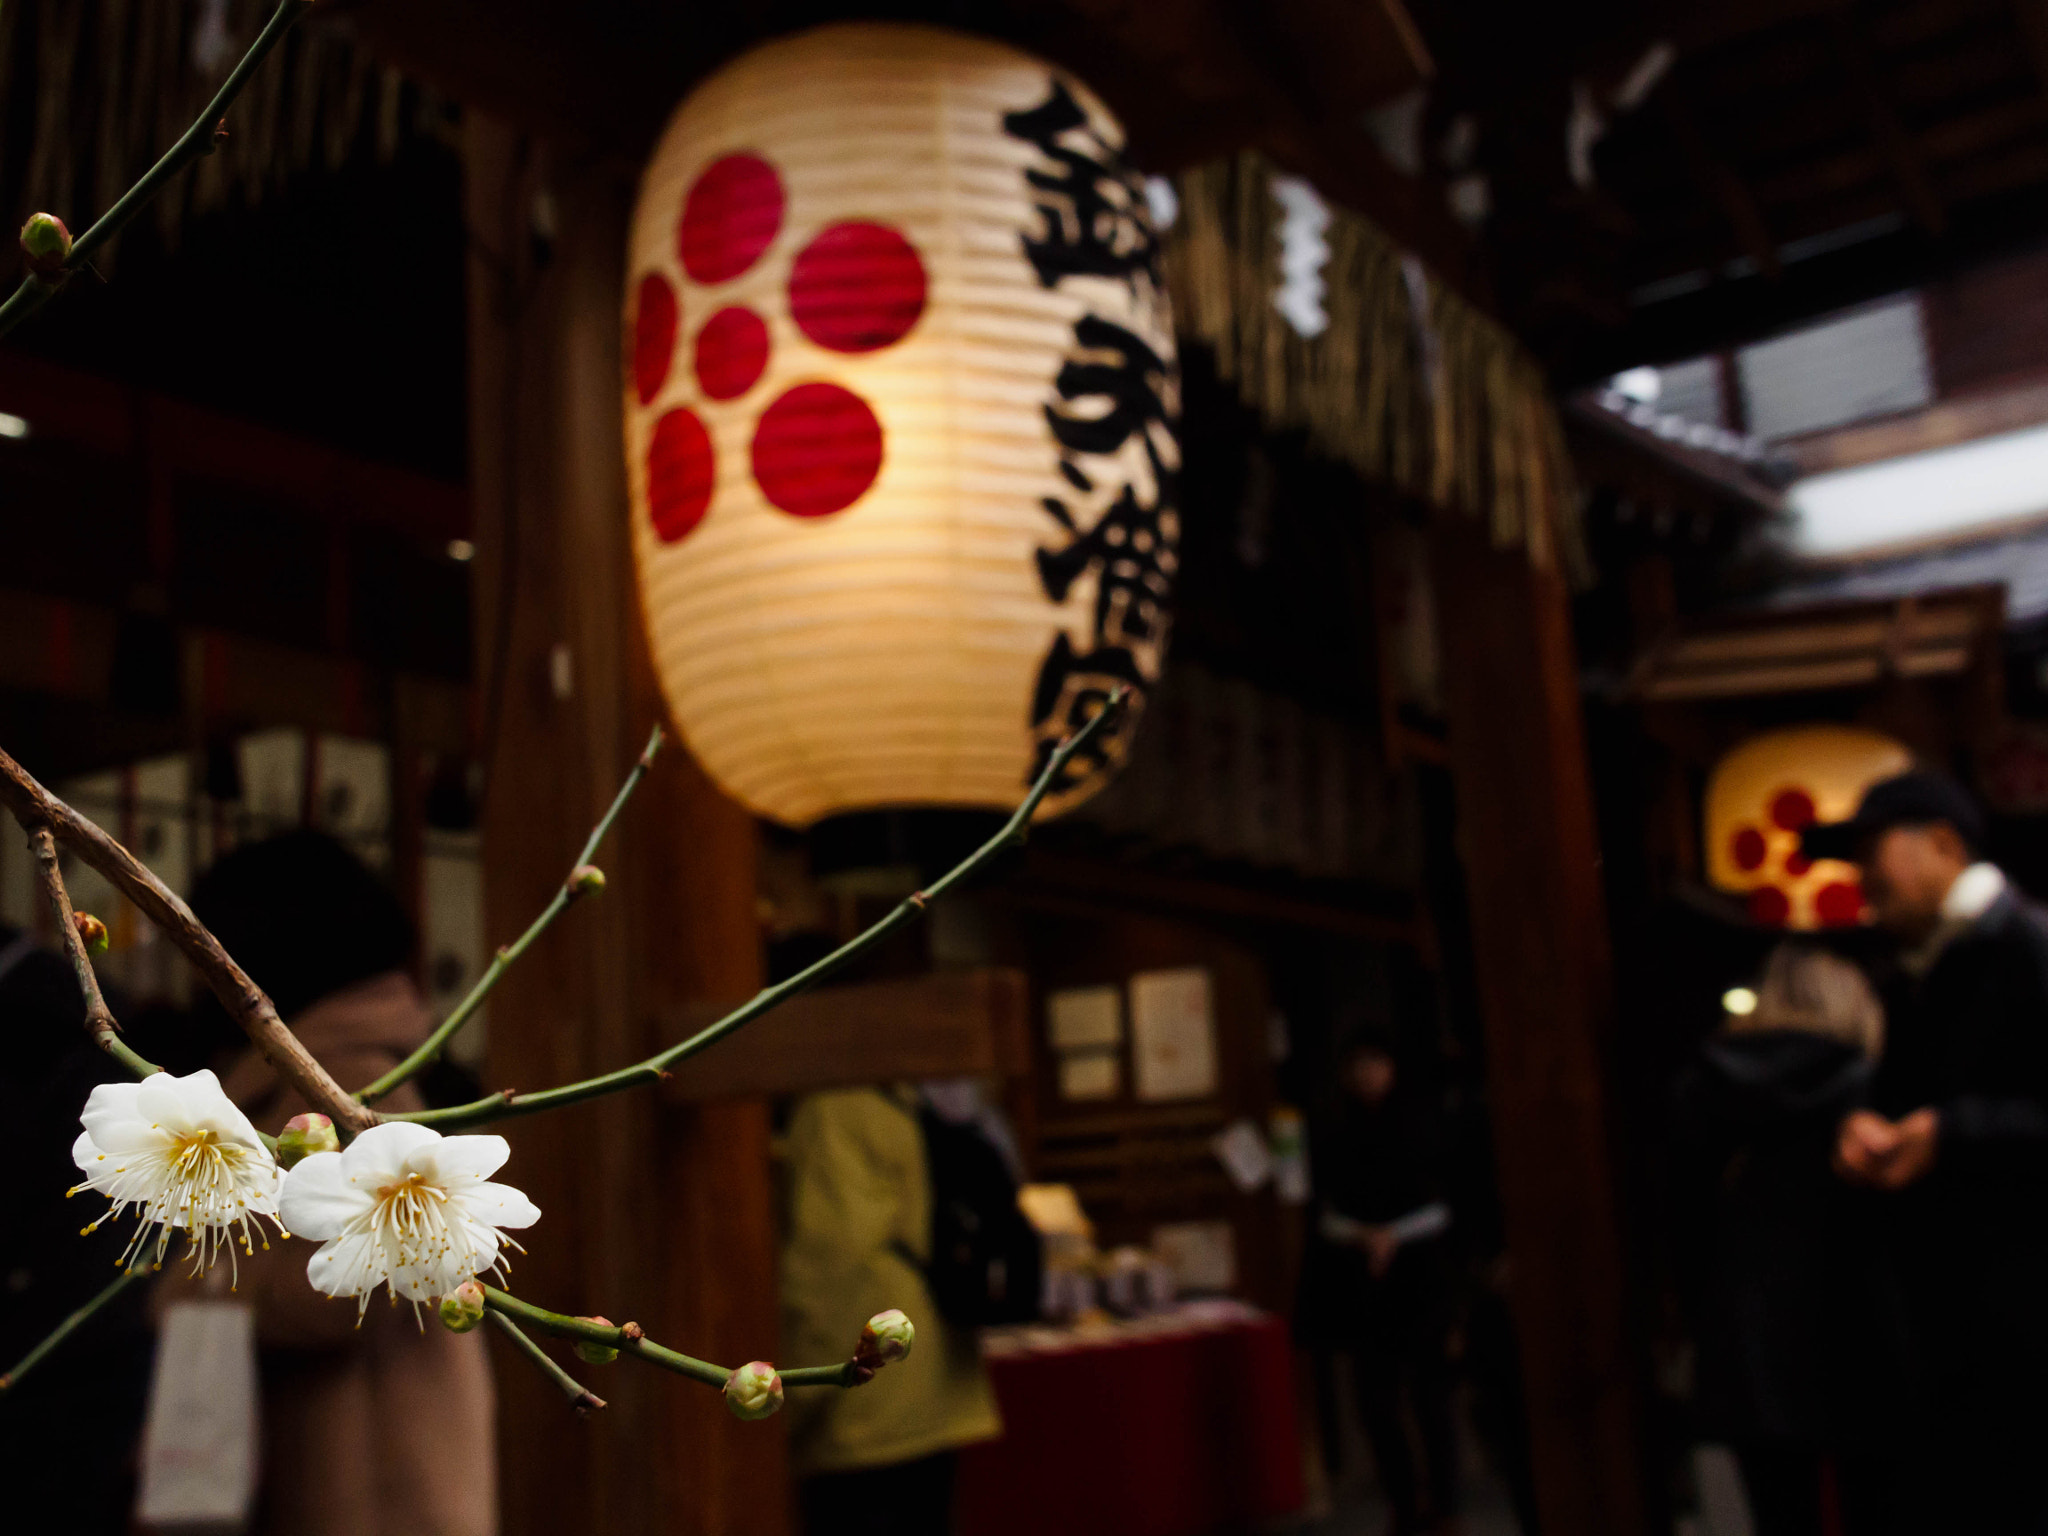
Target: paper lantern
{"type": "Point", "coordinates": [1765, 791]}
{"type": "Point", "coordinates": [900, 408]}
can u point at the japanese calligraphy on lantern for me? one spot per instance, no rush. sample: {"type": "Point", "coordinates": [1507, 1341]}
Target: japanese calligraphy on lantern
{"type": "Point", "coordinates": [1112, 409]}
{"type": "Point", "coordinates": [900, 395]}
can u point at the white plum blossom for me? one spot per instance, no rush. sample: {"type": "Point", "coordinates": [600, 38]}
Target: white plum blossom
{"type": "Point", "coordinates": [404, 1206]}
{"type": "Point", "coordinates": [178, 1151]}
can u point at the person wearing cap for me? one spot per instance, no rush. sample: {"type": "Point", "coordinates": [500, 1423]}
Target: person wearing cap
{"type": "Point", "coordinates": [1956, 1135]}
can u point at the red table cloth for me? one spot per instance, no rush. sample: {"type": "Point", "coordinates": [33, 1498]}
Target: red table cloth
{"type": "Point", "coordinates": [1178, 1426]}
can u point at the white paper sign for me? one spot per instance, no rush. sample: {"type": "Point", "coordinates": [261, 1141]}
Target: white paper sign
{"type": "Point", "coordinates": [1173, 1034]}
{"type": "Point", "coordinates": [1085, 1018]}
{"type": "Point", "coordinates": [1244, 1154]}
{"type": "Point", "coordinates": [199, 1440]}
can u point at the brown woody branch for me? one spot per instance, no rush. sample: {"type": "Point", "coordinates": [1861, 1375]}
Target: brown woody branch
{"type": "Point", "coordinates": [99, 1018]}
{"type": "Point", "coordinates": [38, 810]}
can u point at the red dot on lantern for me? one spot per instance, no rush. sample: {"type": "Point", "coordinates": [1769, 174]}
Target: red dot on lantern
{"type": "Point", "coordinates": [654, 335]}
{"type": "Point", "coordinates": [1797, 864]}
{"type": "Point", "coordinates": [1839, 903]}
{"type": "Point", "coordinates": [1747, 849]}
{"type": "Point", "coordinates": [732, 213]}
{"type": "Point", "coordinates": [679, 475]}
{"type": "Point", "coordinates": [817, 449]}
{"type": "Point", "coordinates": [1792, 809]}
{"type": "Point", "coordinates": [857, 288]}
{"type": "Point", "coordinates": [732, 349]}
{"type": "Point", "coordinates": [1769, 906]}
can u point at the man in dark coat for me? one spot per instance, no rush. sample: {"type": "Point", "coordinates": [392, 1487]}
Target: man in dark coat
{"type": "Point", "coordinates": [1958, 1136]}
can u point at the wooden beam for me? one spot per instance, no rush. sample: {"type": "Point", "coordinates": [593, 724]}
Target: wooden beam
{"type": "Point", "coordinates": [947, 1024]}
{"type": "Point", "coordinates": [1540, 945]}
{"type": "Point", "coordinates": [1900, 152]}
{"type": "Point", "coordinates": [658, 1213]}
{"type": "Point", "coordinates": [1942, 425]}
{"type": "Point", "coordinates": [1720, 181]}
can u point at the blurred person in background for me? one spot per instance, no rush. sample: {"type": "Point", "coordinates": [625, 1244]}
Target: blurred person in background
{"type": "Point", "coordinates": [859, 1239]}
{"type": "Point", "coordinates": [1800, 1329]}
{"type": "Point", "coordinates": [384, 1428]}
{"type": "Point", "coordinates": [1956, 1141]}
{"type": "Point", "coordinates": [1379, 1282]}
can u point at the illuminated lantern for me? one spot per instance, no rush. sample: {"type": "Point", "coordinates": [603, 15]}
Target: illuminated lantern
{"type": "Point", "coordinates": [900, 409]}
{"type": "Point", "coordinates": [1764, 792]}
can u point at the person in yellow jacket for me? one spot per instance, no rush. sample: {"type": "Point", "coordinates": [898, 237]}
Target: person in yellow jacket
{"type": "Point", "coordinates": [879, 1461]}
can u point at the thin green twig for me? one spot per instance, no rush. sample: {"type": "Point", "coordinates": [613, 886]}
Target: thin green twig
{"type": "Point", "coordinates": [69, 1326]}
{"type": "Point", "coordinates": [581, 1398]}
{"type": "Point", "coordinates": [566, 896]}
{"type": "Point", "coordinates": [627, 1339]}
{"type": "Point", "coordinates": [196, 141]}
{"type": "Point", "coordinates": [508, 1103]}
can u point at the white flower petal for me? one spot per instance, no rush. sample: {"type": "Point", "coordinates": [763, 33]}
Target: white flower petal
{"type": "Point", "coordinates": [112, 1120]}
{"type": "Point", "coordinates": [347, 1266]}
{"type": "Point", "coordinates": [499, 1204]}
{"type": "Point", "coordinates": [318, 1200]}
{"type": "Point", "coordinates": [383, 1152]}
{"type": "Point", "coordinates": [464, 1159]}
{"type": "Point", "coordinates": [161, 1106]}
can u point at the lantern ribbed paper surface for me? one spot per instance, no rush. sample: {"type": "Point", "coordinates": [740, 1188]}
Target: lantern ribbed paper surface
{"type": "Point", "coordinates": [900, 402]}
{"type": "Point", "coordinates": [1760, 797]}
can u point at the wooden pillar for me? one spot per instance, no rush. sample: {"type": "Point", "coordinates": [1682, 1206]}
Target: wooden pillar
{"type": "Point", "coordinates": [661, 1214]}
{"type": "Point", "coordinates": [1527, 837]}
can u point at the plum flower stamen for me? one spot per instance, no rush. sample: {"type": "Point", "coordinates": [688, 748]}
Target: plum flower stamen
{"type": "Point", "coordinates": [177, 1151]}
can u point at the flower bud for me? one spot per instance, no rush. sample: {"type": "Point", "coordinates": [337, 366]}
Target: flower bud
{"type": "Point", "coordinates": [92, 933]}
{"type": "Point", "coordinates": [302, 1136]}
{"type": "Point", "coordinates": [463, 1308]}
{"type": "Point", "coordinates": [754, 1391]}
{"type": "Point", "coordinates": [46, 244]}
{"type": "Point", "coordinates": [595, 1354]}
{"type": "Point", "coordinates": [885, 1340]}
{"type": "Point", "coordinates": [586, 880]}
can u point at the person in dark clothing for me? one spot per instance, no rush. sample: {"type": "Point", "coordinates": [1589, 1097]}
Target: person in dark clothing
{"type": "Point", "coordinates": [1386, 1280]}
{"type": "Point", "coordinates": [100, 1378]}
{"type": "Point", "coordinates": [1957, 1139]}
{"type": "Point", "coordinates": [1800, 1329]}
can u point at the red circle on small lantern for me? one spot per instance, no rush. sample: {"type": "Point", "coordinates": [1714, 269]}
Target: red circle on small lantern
{"type": "Point", "coordinates": [1746, 848]}
{"type": "Point", "coordinates": [1839, 903]}
{"type": "Point", "coordinates": [655, 318]}
{"type": "Point", "coordinates": [1797, 864]}
{"type": "Point", "coordinates": [857, 288]}
{"type": "Point", "coordinates": [680, 467]}
{"type": "Point", "coordinates": [1792, 809]}
{"type": "Point", "coordinates": [817, 449]}
{"type": "Point", "coordinates": [732, 213]}
{"type": "Point", "coordinates": [1769, 906]}
{"type": "Point", "coordinates": [732, 350]}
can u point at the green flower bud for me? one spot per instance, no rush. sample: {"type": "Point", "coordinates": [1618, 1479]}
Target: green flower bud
{"type": "Point", "coordinates": [595, 1354]}
{"type": "Point", "coordinates": [586, 880]}
{"type": "Point", "coordinates": [46, 244]}
{"type": "Point", "coordinates": [885, 1340]}
{"type": "Point", "coordinates": [754, 1391]}
{"type": "Point", "coordinates": [463, 1308]}
{"type": "Point", "coordinates": [91, 932]}
{"type": "Point", "coordinates": [302, 1136]}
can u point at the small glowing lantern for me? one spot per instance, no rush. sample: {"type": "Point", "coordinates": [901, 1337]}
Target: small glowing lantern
{"type": "Point", "coordinates": [900, 408]}
{"type": "Point", "coordinates": [1765, 792]}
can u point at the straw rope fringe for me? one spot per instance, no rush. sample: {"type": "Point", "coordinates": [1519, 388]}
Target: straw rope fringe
{"type": "Point", "coordinates": [1445, 405]}
{"type": "Point", "coordinates": [114, 82]}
